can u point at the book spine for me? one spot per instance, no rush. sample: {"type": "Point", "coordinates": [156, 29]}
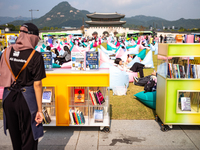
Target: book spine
{"type": "Point", "coordinates": [98, 98]}
{"type": "Point", "coordinates": [189, 71]}
{"type": "Point", "coordinates": [83, 118]}
{"type": "Point", "coordinates": [74, 113]}
{"type": "Point", "coordinates": [72, 119]}
{"type": "Point", "coordinates": [79, 113]}
{"type": "Point", "coordinates": [179, 76]}
{"type": "Point", "coordinates": [79, 120]}
{"type": "Point", "coordinates": [170, 71]}
{"type": "Point", "coordinates": [91, 97]}
{"type": "Point", "coordinates": [94, 99]}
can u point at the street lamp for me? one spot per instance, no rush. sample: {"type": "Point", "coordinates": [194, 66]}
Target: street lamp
{"type": "Point", "coordinates": [32, 14]}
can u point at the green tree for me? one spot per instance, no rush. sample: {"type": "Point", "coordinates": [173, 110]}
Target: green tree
{"type": "Point", "coordinates": [56, 28]}
{"type": "Point", "coordinates": [52, 28]}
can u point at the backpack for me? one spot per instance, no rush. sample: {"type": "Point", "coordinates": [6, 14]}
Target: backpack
{"type": "Point", "coordinates": [143, 81]}
{"type": "Point", "coordinates": [148, 87]}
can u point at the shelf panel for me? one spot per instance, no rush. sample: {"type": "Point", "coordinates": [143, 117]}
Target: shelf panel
{"type": "Point", "coordinates": [90, 122]}
{"type": "Point", "coordinates": [193, 110]}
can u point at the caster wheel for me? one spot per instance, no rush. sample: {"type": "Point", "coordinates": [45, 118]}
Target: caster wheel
{"type": "Point", "coordinates": [164, 128]}
{"type": "Point", "coordinates": [157, 118]}
{"type": "Point", "coordinates": [106, 129]}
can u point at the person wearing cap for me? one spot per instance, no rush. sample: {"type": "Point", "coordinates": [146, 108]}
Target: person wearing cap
{"type": "Point", "coordinates": [21, 72]}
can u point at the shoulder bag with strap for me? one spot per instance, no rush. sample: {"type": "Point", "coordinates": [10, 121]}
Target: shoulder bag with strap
{"type": "Point", "coordinates": [24, 66]}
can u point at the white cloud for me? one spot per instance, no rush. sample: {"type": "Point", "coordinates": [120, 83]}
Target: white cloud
{"type": "Point", "coordinates": [14, 7]}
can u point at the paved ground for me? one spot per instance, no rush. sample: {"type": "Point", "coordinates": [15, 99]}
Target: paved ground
{"type": "Point", "coordinates": [125, 135]}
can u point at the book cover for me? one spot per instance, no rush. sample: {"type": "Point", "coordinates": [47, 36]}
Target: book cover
{"type": "Point", "coordinates": [46, 96]}
{"type": "Point", "coordinates": [98, 115]}
{"type": "Point", "coordinates": [79, 96]}
{"type": "Point", "coordinates": [78, 62]}
{"type": "Point", "coordinates": [92, 60]}
{"type": "Point", "coordinates": [185, 104]}
{"type": "Point", "coordinates": [71, 117]}
{"type": "Point", "coordinates": [91, 97]}
{"type": "Point", "coordinates": [95, 95]}
{"type": "Point", "coordinates": [47, 57]}
{"type": "Point", "coordinates": [47, 118]}
{"type": "Point", "coordinates": [100, 97]}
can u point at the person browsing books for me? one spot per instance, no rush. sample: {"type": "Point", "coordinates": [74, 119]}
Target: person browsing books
{"type": "Point", "coordinates": [21, 72]}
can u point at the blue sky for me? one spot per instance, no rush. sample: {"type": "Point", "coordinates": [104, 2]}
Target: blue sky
{"type": "Point", "coordinates": [166, 9]}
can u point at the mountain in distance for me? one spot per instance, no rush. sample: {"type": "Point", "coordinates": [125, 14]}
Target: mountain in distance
{"type": "Point", "coordinates": [147, 21]}
{"type": "Point", "coordinates": [4, 20]}
{"type": "Point", "coordinates": [64, 14]}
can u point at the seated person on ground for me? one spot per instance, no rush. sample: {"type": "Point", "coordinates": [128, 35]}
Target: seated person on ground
{"type": "Point", "coordinates": [137, 67]}
{"type": "Point", "coordinates": [66, 57]}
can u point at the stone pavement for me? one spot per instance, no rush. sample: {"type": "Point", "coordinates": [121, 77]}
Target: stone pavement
{"type": "Point", "coordinates": [124, 135]}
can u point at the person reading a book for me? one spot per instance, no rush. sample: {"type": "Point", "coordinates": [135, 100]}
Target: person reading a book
{"type": "Point", "coordinates": [21, 72]}
{"type": "Point", "coordinates": [137, 67]}
{"type": "Point", "coordinates": [66, 57]}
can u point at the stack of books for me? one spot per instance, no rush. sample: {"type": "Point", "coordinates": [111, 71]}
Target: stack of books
{"type": "Point", "coordinates": [76, 117]}
{"type": "Point", "coordinates": [96, 97]}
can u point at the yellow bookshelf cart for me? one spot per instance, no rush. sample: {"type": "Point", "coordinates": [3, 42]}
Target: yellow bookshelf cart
{"type": "Point", "coordinates": [63, 82]}
{"type": "Point", "coordinates": [170, 90]}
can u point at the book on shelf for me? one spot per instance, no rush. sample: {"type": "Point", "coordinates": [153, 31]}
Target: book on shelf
{"type": "Point", "coordinates": [92, 60]}
{"type": "Point", "coordinates": [82, 117]}
{"type": "Point", "coordinates": [185, 104]}
{"type": "Point", "coordinates": [183, 71]}
{"type": "Point", "coordinates": [76, 117]}
{"type": "Point", "coordinates": [46, 116]}
{"type": "Point", "coordinates": [98, 115]}
{"type": "Point", "coordinates": [79, 96]}
{"type": "Point", "coordinates": [47, 96]}
{"type": "Point", "coordinates": [178, 71]}
{"type": "Point", "coordinates": [96, 97]}
{"type": "Point", "coordinates": [71, 116]}
{"type": "Point", "coordinates": [100, 97]}
{"type": "Point", "coordinates": [90, 93]}
{"type": "Point", "coordinates": [78, 62]}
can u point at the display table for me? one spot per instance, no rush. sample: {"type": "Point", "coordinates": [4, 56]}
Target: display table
{"type": "Point", "coordinates": [62, 83]}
